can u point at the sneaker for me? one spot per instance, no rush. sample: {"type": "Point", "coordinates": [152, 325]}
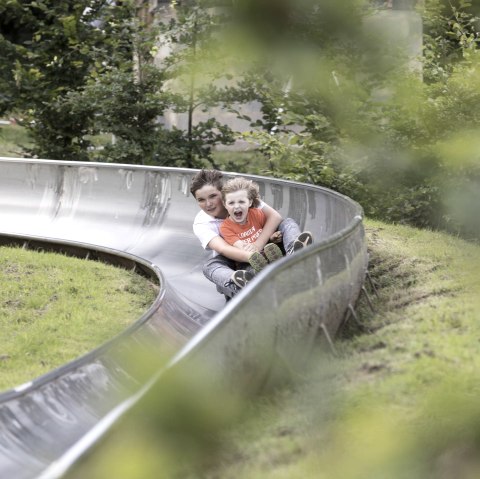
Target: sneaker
{"type": "Point", "coordinates": [257, 261]}
{"type": "Point", "coordinates": [303, 239]}
{"type": "Point", "coordinates": [241, 277]}
{"type": "Point", "coordinates": [272, 252]}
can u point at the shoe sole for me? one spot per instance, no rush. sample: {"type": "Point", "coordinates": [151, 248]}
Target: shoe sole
{"type": "Point", "coordinates": [272, 252]}
{"type": "Point", "coordinates": [257, 262]}
{"type": "Point", "coordinates": [242, 278]}
{"type": "Point", "coordinates": [304, 239]}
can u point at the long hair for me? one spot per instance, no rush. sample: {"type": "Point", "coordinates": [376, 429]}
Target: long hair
{"type": "Point", "coordinates": [240, 183]}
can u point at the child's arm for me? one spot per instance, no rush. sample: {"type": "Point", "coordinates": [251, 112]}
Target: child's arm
{"type": "Point", "coordinates": [250, 247]}
{"type": "Point", "coordinates": [230, 246]}
{"type": "Point", "coordinates": [274, 218]}
{"type": "Point", "coordinates": [219, 245]}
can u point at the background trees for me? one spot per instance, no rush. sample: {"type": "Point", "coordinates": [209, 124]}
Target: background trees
{"type": "Point", "coordinates": [357, 118]}
{"type": "Point", "coordinates": [50, 49]}
{"type": "Point", "coordinates": [338, 102]}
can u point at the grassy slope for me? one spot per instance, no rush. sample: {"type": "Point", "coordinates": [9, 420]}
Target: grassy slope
{"type": "Point", "coordinates": [402, 399]}
{"type": "Point", "coordinates": [399, 401]}
{"type": "Point", "coordinates": [54, 308]}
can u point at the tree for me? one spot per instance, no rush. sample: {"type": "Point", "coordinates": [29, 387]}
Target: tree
{"type": "Point", "coordinates": [357, 120]}
{"type": "Point", "coordinates": [199, 79]}
{"type": "Point", "coordinates": [52, 49]}
{"type": "Point", "coordinates": [125, 101]}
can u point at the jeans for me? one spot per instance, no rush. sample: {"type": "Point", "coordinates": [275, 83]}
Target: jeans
{"type": "Point", "coordinates": [219, 269]}
{"type": "Point", "coordinates": [290, 231]}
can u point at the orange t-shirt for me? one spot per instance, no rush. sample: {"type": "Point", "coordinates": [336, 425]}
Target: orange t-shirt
{"type": "Point", "coordinates": [249, 232]}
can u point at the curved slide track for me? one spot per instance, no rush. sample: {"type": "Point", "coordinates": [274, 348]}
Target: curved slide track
{"type": "Point", "coordinates": [141, 218]}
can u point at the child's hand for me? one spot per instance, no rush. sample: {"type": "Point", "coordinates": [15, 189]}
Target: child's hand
{"type": "Point", "coordinates": [250, 247]}
{"type": "Point", "coordinates": [276, 237]}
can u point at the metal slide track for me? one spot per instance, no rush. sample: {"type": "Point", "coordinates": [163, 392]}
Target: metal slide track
{"type": "Point", "coordinates": [141, 217]}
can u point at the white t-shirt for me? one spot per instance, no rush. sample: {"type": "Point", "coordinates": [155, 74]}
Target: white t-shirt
{"type": "Point", "coordinates": [207, 227]}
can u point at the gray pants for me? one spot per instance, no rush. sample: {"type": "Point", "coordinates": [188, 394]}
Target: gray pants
{"type": "Point", "coordinates": [290, 232]}
{"type": "Point", "coordinates": [219, 269]}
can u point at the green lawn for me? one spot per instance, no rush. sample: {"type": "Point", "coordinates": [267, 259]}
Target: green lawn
{"type": "Point", "coordinates": [13, 140]}
{"type": "Point", "coordinates": [54, 308]}
{"type": "Point", "coordinates": [401, 399]}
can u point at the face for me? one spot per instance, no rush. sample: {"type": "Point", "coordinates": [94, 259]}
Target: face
{"type": "Point", "coordinates": [210, 200]}
{"type": "Point", "coordinates": [237, 204]}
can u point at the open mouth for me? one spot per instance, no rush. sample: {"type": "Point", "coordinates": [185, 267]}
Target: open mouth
{"type": "Point", "coordinates": [238, 215]}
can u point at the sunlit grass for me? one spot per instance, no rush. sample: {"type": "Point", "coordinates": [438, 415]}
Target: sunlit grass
{"type": "Point", "coordinates": [399, 401]}
{"type": "Point", "coordinates": [248, 161]}
{"type": "Point", "coordinates": [13, 140]}
{"type": "Point", "coordinates": [54, 308]}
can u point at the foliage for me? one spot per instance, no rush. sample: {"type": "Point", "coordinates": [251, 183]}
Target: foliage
{"type": "Point", "coordinates": [51, 49]}
{"type": "Point", "coordinates": [356, 118]}
{"type": "Point", "coordinates": [13, 140]}
{"type": "Point", "coordinates": [339, 102]}
{"type": "Point", "coordinates": [198, 79]}
{"type": "Point", "coordinates": [126, 108]}
{"type": "Point", "coordinates": [86, 68]}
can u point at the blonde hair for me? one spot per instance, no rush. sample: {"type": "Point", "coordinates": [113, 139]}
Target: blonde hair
{"type": "Point", "coordinates": [240, 183]}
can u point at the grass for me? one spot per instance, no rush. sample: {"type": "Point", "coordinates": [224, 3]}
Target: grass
{"type": "Point", "coordinates": [13, 140]}
{"type": "Point", "coordinates": [249, 161]}
{"type": "Point", "coordinates": [400, 400]}
{"type": "Point", "coordinates": [54, 308]}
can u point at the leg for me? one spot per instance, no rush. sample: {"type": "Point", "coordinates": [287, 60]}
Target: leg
{"type": "Point", "coordinates": [290, 231]}
{"type": "Point", "coordinates": [293, 238]}
{"type": "Point", "coordinates": [219, 270]}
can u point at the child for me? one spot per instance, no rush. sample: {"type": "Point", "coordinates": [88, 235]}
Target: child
{"type": "Point", "coordinates": [245, 224]}
{"type": "Point", "coordinates": [221, 267]}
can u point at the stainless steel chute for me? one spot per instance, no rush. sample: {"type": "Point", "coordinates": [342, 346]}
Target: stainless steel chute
{"type": "Point", "coordinates": [141, 217]}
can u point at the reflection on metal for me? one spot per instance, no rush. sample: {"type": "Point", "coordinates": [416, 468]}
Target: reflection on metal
{"type": "Point", "coordinates": [141, 218]}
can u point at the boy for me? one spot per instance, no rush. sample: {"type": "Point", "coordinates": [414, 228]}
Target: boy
{"type": "Point", "coordinates": [206, 188]}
